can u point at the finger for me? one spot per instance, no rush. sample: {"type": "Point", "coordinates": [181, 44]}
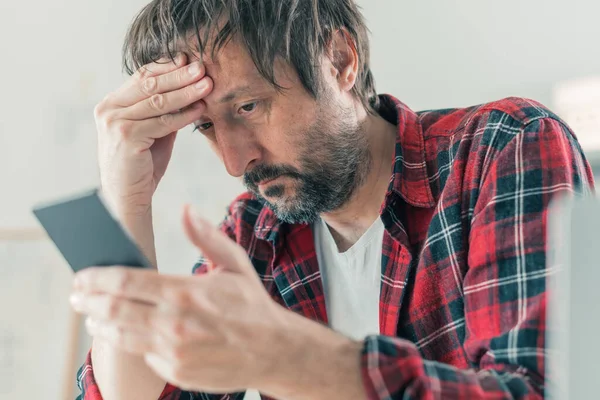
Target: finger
{"type": "Point", "coordinates": [129, 340]}
{"type": "Point", "coordinates": [135, 89]}
{"type": "Point", "coordinates": [120, 311]}
{"type": "Point", "coordinates": [174, 325]}
{"type": "Point", "coordinates": [164, 103]}
{"type": "Point", "coordinates": [159, 127]}
{"type": "Point", "coordinates": [215, 245]}
{"type": "Point", "coordinates": [180, 78]}
{"type": "Point", "coordinates": [129, 283]}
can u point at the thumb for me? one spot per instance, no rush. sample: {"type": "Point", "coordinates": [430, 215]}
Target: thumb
{"type": "Point", "coordinates": [214, 244]}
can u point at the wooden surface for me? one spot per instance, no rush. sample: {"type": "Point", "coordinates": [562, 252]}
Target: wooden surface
{"type": "Point", "coordinates": [22, 234]}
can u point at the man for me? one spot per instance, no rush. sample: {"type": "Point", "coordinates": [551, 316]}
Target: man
{"type": "Point", "coordinates": [379, 253]}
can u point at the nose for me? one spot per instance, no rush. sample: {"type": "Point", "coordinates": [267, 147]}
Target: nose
{"type": "Point", "coordinates": [238, 148]}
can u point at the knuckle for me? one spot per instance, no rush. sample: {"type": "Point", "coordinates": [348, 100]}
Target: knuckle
{"type": "Point", "coordinates": [99, 109]}
{"type": "Point", "coordinates": [124, 282]}
{"type": "Point", "coordinates": [179, 354]}
{"type": "Point", "coordinates": [149, 85]}
{"type": "Point", "coordinates": [178, 330]}
{"type": "Point", "coordinates": [113, 308]}
{"type": "Point", "coordinates": [123, 130]}
{"type": "Point", "coordinates": [157, 101]}
{"type": "Point", "coordinates": [109, 118]}
{"type": "Point", "coordinates": [180, 298]}
{"type": "Point", "coordinates": [102, 106]}
{"type": "Point", "coordinates": [166, 119]}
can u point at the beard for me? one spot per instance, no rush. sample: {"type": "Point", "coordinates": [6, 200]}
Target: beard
{"type": "Point", "coordinates": [334, 163]}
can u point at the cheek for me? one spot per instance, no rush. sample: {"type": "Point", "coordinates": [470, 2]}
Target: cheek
{"type": "Point", "coordinates": [284, 144]}
{"type": "Point", "coordinates": [284, 132]}
{"type": "Point", "coordinates": [290, 133]}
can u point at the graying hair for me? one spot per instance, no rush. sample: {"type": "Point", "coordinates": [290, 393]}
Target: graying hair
{"type": "Point", "coordinates": [297, 31]}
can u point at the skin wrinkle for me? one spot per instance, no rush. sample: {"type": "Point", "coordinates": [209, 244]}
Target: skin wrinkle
{"type": "Point", "coordinates": [342, 163]}
{"type": "Point", "coordinates": [323, 147]}
{"type": "Point", "coordinates": [311, 122]}
{"type": "Point", "coordinates": [329, 142]}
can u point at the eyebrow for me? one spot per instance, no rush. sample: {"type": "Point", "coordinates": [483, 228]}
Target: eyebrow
{"type": "Point", "coordinates": [236, 92]}
{"type": "Point", "coordinates": [239, 91]}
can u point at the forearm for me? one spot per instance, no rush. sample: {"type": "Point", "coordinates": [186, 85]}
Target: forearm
{"type": "Point", "coordinates": [121, 375]}
{"type": "Point", "coordinates": [139, 226]}
{"type": "Point", "coordinates": [314, 362]}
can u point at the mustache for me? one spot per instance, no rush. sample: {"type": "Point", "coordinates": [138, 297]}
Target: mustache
{"type": "Point", "coordinates": [267, 172]}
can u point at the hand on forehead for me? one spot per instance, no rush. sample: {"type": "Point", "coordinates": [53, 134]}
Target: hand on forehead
{"type": "Point", "coordinates": [232, 68]}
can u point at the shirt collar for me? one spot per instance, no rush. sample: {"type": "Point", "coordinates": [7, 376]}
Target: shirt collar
{"type": "Point", "coordinates": [409, 179]}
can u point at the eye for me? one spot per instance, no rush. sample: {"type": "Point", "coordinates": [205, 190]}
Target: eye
{"type": "Point", "coordinates": [203, 127]}
{"type": "Point", "coordinates": [248, 108]}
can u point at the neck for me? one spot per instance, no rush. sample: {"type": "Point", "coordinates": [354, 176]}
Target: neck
{"type": "Point", "coordinates": [351, 221]}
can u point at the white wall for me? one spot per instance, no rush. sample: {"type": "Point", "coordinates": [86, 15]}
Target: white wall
{"type": "Point", "coordinates": [438, 54]}
{"type": "Point", "coordinates": [60, 57]}
{"type": "Point", "coordinates": [65, 57]}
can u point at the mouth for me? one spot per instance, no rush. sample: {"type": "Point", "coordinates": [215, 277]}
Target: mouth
{"type": "Point", "coordinates": [267, 182]}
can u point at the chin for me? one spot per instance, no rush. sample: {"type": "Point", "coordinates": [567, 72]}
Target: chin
{"type": "Point", "coordinates": [283, 202]}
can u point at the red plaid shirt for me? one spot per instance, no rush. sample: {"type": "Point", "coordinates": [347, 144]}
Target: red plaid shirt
{"type": "Point", "coordinates": [463, 267]}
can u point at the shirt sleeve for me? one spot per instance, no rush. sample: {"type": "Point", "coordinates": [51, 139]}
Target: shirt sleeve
{"type": "Point", "coordinates": [504, 287]}
{"type": "Point", "coordinates": [85, 376]}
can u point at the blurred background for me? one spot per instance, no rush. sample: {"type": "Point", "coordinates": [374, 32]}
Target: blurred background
{"type": "Point", "coordinates": [60, 57]}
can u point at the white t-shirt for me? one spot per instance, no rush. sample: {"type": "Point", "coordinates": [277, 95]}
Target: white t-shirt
{"type": "Point", "coordinates": [351, 280]}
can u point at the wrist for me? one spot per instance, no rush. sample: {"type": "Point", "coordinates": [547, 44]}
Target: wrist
{"type": "Point", "coordinates": [315, 362]}
{"type": "Point", "coordinates": [124, 208]}
{"type": "Point", "coordinates": [140, 226]}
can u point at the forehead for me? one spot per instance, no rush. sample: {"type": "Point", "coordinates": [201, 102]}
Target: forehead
{"type": "Point", "coordinates": [232, 67]}
{"type": "Point", "coordinates": [231, 61]}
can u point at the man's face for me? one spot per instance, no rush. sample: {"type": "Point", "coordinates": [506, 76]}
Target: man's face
{"type": "Point", "coordinates": [302, 156]}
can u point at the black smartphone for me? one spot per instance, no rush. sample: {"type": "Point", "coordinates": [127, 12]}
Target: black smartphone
{"type": "Point", "coordinates": [87, 234]}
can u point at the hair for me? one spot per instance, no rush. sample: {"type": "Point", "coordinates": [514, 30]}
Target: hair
{"type": "Point", "coordinates": [297, 31]}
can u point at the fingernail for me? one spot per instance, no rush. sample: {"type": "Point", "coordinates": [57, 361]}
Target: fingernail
{"type": "Point", "coordinates": [194, 69]}
{"type": "Point", "coordinates": [90, 323]}
{"type": "Point", "coordinates": [201, 84]}
{"type": "Point", "coordinates": [75, 299]}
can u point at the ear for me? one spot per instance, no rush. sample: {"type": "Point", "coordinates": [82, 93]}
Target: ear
{"type": "Point", "coordinates": [344, 59]}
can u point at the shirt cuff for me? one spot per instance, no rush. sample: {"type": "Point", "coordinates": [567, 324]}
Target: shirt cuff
{"type": "Point", "coordinates": [389, 365]}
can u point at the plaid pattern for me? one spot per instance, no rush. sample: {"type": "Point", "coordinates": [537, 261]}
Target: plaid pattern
{"type": "Point", "coordinates": [463, 297]}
